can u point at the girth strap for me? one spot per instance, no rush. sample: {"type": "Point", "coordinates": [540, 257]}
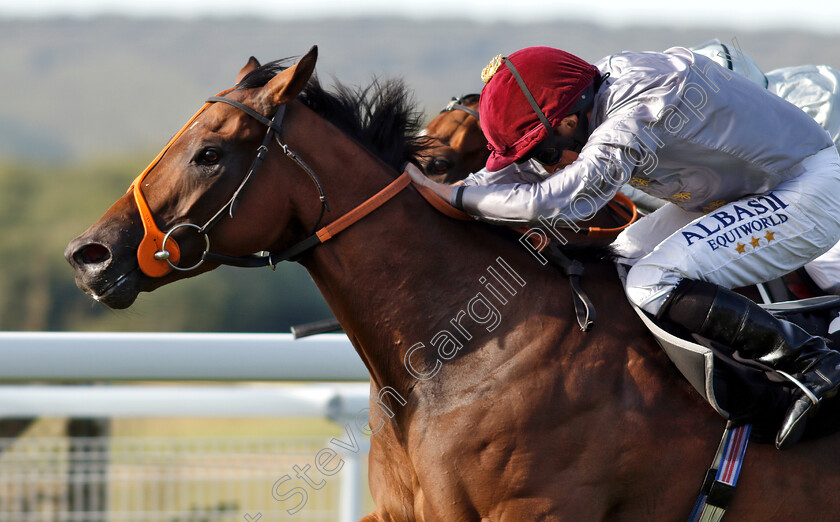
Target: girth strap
{"type": "Point", "coordinates": [719, 484]}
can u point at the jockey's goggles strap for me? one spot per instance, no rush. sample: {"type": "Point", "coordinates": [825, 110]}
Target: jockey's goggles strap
{"type": "Point", "coordinates": [529, 96]}
{"type": "Point", "coordinates": [550, 149]}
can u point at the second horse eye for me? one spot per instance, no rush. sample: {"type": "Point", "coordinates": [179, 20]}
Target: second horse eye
{"type": "Point", "coordinates": [440, 166]}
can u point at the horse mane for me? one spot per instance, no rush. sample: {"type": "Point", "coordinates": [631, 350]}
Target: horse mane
{"type": "Point", "coordinates": [382, 117]}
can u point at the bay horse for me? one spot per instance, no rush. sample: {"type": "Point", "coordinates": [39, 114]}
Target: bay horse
{"type": "Point", "coordinates": [456, 145]}
{"type": "Point", "coordinates": [487, 400]}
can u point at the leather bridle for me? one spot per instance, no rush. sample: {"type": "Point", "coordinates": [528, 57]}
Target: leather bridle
{"type": "Point", "coordinates": [158, 253]}
{"type": "Point", "coordinates": [457, 104]}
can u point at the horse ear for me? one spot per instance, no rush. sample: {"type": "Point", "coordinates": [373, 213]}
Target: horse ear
{"type": "Point", "coordinates": [252, 64]}
{"type": "Point", "coordinates": [286, 85]}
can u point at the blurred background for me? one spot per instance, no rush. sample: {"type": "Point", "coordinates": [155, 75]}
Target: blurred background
{"type": "Point", "coordinates": [91, 90]}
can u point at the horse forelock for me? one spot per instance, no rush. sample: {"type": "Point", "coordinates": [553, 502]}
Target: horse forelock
{"type": "Point", "coordinates": [260, 76]}
{"type": "Point", "coordinates": [382, 116]}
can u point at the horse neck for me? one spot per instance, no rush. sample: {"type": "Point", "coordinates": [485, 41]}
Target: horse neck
{"type": "Point", "coordinates": [399, 275]}
{"type": "Point", "coordinates": [391, 280]}
{"type": "Point", "coordinates": [403, 273]}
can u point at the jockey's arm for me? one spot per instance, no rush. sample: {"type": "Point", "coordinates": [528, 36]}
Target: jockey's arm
{"type": "Point", "coordinates": [574, 193]}
{"type": "Point", "coordinates": [526, 172]}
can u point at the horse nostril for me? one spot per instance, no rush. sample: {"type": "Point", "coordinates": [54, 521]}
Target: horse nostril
{"type": "Point", "coordinates": [92, 254]}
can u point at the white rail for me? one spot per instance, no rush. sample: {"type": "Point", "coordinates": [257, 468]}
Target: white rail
{"type": "Point", "coordinates": [104, 356]}
{"type": "Point", "coordinates": [85, 357]}
{"type": "Point", "coordinates": [336, 401]}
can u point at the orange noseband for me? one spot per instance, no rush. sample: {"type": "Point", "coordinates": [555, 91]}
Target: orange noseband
{"type": "Point", "coordinates": [153, 239]}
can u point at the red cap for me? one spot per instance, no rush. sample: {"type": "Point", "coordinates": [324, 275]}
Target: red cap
{"type": "Point", "coordinates": [555, 78]}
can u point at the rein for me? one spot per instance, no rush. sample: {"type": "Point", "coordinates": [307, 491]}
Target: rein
{"type": "Point", "coordinates": [320, 236]}
{"type": "Point", "coordinates": [158, 253]}
{"type": "Point", "coordinates": [621, 205]}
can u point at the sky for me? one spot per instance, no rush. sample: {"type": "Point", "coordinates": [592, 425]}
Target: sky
{"type": "Point", "coordinates": [817, 16]}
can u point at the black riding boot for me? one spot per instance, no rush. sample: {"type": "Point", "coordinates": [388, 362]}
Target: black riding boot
{"type": "Point", "coordinates": [731, 319]}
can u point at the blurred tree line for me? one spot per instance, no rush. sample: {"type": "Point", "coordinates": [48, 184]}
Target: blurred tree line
{"type": "Point", "coordinates": [44, 206]}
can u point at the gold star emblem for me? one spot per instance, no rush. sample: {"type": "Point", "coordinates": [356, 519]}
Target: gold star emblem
{"type": "Point", "coordinates": [754, 242]}
{"type": "Point", "coordinates": [639, 182]}
{"type": "Point", "coordinates": [681, 196]}
{"type": "Point", "coordinates": [714, 205]}
{"type": "Point", "coordinates": [769, 236]}
{"type": "Point", "coordinates": [740, 248]}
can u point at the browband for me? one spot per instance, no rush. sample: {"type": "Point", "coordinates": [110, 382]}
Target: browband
{"type": "Point", "coordinates": [251, 112]}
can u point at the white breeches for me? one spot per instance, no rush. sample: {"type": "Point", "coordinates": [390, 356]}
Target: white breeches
{"type": "Point", "coordinates": [825, 270]}
{"type": "Point", "coordinates": [744, 242]}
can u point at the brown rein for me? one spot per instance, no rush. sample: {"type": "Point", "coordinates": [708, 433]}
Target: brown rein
{"type": "Point", "coordinates": [157, 252]}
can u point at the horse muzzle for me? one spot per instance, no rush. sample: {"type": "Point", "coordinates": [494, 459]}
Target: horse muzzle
{"type": "Point", "coordinates": [109, 280]}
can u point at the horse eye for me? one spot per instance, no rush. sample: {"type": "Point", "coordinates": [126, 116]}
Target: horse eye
{"type": "Point", "coordinates": [440, 166]}
{"type": "Point", "coordinates": [208, 156]}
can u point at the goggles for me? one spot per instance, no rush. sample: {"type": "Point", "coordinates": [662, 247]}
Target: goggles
{"type": "Point", "coordinates": [549, 151]}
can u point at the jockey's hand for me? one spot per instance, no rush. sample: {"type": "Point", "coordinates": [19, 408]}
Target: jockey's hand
{"type": "Point", "coordinates": [418, 178]}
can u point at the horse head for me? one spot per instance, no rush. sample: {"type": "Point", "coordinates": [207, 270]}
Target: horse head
{"type": "Point", "coordinates": [183, 205]}
{"type": "Point", "coordinates": [456, 145]}
{"type": "Point", "coordinates": [230, 184]}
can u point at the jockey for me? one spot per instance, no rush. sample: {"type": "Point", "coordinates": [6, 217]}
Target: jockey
{"type": "Point", "coordinates": [750, 179]}
{"type": "Point", "coordinates": [816, 90]}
